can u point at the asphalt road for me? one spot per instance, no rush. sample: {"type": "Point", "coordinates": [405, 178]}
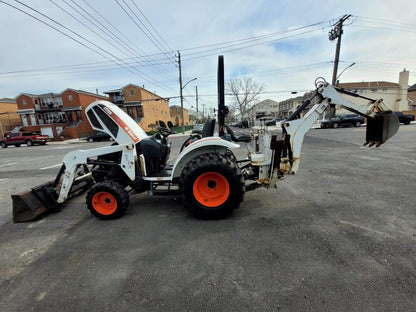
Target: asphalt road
{"type": "Point", "coordinates": [340, 235]}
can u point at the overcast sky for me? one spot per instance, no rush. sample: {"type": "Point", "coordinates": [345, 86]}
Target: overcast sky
{"type": "Point", "coordinates": [283, 45]}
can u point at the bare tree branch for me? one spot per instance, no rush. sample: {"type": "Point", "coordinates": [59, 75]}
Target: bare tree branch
{"type": "Point", "coordinates": [245, 92]}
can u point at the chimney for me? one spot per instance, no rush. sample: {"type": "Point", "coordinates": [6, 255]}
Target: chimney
{"type": "Point", "coordinates": [403, 104]}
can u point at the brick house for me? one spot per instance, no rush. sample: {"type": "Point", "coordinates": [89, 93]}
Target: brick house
{"type": "Point", "coordinates": [411, 97]}
{"type": "Point", "coordinates": [56, 114]}
{"type": "Point", "coordinates": [176, 116]}
{"type": "Point", "coordinates": [146, 107]}
{"type": "Point", "coordinates": [8, 117]}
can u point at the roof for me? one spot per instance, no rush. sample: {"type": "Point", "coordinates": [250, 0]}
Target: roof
{"type": "Point", "coordinates": [412, 88]}
{"type": "Point", "coordinates": [51, 94]}
{"type": "Point", "coordinates": [86, 93]}
{"type": "Point", "coordinates": [133, 85]}
{"type": "Point", "coordinates": [368, 85]}
{"type": "Point", "coordinates": [177, 107]}
{"type": "Point", "coordinates": [8, 101]}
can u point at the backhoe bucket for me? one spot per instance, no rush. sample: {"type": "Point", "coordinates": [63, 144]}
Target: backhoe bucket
{"type": "Point", "coordinates": [28, 206]}
{"type": "Point", "coordinates": [381, 127]}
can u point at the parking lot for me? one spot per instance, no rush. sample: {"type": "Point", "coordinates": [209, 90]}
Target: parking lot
{"type": "Point", "coordinates": [340, 235]}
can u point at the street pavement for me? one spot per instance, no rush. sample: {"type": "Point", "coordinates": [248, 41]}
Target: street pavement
{"type": "Point", "coordinates": [337, 236]}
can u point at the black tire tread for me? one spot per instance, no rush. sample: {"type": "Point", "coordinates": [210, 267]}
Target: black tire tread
{"type": "Point", "coordinates": [226, 165]}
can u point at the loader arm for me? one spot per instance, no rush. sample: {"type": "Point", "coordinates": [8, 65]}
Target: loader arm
{"type": "Point", "coordinates": [73, 160]}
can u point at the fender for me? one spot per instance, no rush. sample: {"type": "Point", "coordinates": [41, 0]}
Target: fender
{"type": "Point", "coordinates": [196, 148]}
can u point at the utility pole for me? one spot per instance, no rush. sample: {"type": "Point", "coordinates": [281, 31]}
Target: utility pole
{"type": "Point", "coordinates": [180, 86]}
{"type": "Point", "coordinates": [336, 33]}
{"type": "Point", "coordinates": [203, 111]}
{"type": "Point", "coordinates": [196, 100]}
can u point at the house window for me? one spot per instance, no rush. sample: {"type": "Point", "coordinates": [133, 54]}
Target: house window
{"type": "Point", "coordinates": [24, 102]}
{"type": "Point", "coordinates": [70, 97]}
{"type": "Point", "coordinates": [131, 92]}
{"type": "Point", "coordinates": [36, 101]}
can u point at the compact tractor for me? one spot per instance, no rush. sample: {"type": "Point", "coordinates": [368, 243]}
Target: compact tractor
{"type": "Point", "coordinates": [206, 173]}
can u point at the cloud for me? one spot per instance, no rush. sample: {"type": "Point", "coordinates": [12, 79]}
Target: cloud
{"type": "Point", "coordinates": [380, 47]}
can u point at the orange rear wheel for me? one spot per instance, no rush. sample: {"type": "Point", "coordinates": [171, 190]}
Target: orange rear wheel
{"type": "Point", "coordinates": [211, 189]}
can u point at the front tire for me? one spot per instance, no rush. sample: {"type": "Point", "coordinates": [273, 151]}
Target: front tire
{"type": "Point", "coordinates": [107, 200]}
{"type": "Point", "coordinates": [212, 186]}
{"type": "Point", "coordinates": [335, 125]}
{"type": "Point", "coordinates": [29, 142]}
{"type": "Point", "coordinates": [3, 144]}
{"type": "Point", "coordinates": [357, 124]}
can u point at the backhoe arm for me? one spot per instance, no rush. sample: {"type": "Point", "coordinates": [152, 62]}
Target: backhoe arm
{"type": "Point", "coordinates": [381, 125]}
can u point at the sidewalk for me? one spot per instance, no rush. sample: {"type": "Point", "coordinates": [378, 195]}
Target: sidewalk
{"type": "Point", "coordinates": [76, 141]}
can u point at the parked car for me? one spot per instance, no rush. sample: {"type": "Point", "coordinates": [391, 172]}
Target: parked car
{"type": "Point", "coordinates": [99, 136]}
{"type": "Point", "coordinates": [274, 121]}
{"type": "Point", "coordinates": [242, 124]}
{"type": "Point", "coordinates": [404, 119]}
{"type": "Point", "coordinates": [343, 121]}
{"type": "Point", "coordinates": [197, 128]}
{"type": "Point", "coordinates": [19, 138]}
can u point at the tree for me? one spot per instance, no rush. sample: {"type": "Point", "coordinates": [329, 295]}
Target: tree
{"type": "Point", "coordinates": [245, 92]}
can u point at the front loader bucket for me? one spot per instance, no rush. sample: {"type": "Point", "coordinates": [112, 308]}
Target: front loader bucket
{"type": "Point", "coordinates": [381, 127]}
{"type": "Point", "coordinates": [28, 206]}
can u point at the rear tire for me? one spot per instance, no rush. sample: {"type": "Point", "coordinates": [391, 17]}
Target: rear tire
{"type": "Point", "coordinates": [212, 186]}
{"type": "Point", "coordinates": [357, 124]}
{"type": "Point", "coordinates": [335, 125]}
{"type": "Point", "coordinates": [107, 200]}
{"type": "Point", "coordinates": [407, 122]}
{"type": "Point", "coordinates": [3, 144]}
{"type": "Point", "coordinates": [29, 142]}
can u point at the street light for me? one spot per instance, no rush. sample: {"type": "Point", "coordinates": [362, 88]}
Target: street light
{"type": "Point", "coordinates": [351, 65]}
{"type": "Point", "coordinates": [183, 121]}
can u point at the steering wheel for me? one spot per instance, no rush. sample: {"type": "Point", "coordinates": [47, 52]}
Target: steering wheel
{"type": "Point", "coordinates": [165, 132]}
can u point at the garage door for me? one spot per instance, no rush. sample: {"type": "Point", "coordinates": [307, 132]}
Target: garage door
{"type": "Point", "coordinates": [47, 131]}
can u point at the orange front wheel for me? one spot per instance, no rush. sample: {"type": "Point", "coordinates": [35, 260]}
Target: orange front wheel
{"type": "Point", "coordinates": [107, 200]}
{"type": "Point", "coordinates": [104, 203]}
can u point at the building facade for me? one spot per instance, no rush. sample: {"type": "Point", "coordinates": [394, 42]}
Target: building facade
{"type": "Point", "coordinates": [411, 97]}
{"type": "Point", "coordinates": [264, 109]}
{"type": "Point", "coordinates": [8, 115]}
{"type": "Point", "coordinates": [56, 115]}
{"type": "Point", "coordinates": [145, 107]}
{"type": "Point", "coordinates": [394, 95]}
{"type": "Point", "coordinates": [176, 115]}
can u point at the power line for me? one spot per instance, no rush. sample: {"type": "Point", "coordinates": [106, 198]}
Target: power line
{"type": "Point", "coordinates": [156, 44]}
{"type": "Point", "coordinates": [112, 35]}
{"type": "Point", "coordinates": [134, 3]}
{"type": "Point", "coordinates": [144, 56]}
{"type": "Point", "coordinates": [115, 58]}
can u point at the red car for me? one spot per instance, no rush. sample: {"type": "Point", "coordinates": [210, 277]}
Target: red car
{"type": "Point", "coordinates": [19, 138]}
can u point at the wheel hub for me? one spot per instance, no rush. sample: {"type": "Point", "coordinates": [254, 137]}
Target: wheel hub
{"type": "Point", "coordinates": [212, 184]}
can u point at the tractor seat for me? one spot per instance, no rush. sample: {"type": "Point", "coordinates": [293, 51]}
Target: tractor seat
{"type": "Point", "coordinates": [208, 129]}
{"type": "Point", "coordinates": [241, 138]}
